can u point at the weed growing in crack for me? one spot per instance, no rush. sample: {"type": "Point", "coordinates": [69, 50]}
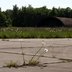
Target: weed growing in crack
{"type": "Point", "coordinates": [23, 55]}
{"type": "Point", "coordinates": [45, 51]}
{"type": "Point", "coordinates": [36, 61]}
{"type": "Point", "coordinates": [33, 63]}
{"type": "Point", "coordinates": [11, 64]}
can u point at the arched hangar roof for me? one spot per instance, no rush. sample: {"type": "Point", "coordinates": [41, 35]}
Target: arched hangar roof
{"type": "Point", "coordinates": [55, 22]}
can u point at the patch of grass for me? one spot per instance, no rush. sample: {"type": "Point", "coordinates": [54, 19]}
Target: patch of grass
{"type": "Point", "coordinates": [14, 32]}
{"type": "Point", "coordinates": [15, 65]}
{"type": "Point", "coordinates": [33, 63]}
{"type": "Point", "coordinates": [11, 64]}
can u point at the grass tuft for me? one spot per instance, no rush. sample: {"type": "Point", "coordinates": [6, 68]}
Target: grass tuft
{"type": "Point", "coordinates": [11, 64]}
{"type": "Point", "coordinates": [33, 63]}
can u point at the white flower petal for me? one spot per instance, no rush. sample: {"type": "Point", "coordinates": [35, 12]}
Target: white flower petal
{"type": "Point", "coordinates": [46, 50]}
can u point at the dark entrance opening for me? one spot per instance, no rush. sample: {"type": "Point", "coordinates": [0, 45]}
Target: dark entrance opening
{"type": "Point", "coordinates": [50, 22]}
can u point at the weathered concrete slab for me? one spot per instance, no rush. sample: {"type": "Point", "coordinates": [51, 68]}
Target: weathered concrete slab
{"type": "Point", "coordinates": [10, 49]}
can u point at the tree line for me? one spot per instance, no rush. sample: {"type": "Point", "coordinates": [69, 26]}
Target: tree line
{"type": "Point", "coordinates": [29, 16]}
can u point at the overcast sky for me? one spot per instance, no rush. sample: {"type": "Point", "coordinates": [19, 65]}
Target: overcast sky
{"type": "Point", "coordinates": [8, 4]}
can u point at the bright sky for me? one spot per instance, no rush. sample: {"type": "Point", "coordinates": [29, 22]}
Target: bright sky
{"type": "Point", "coordinates": [8, 4]}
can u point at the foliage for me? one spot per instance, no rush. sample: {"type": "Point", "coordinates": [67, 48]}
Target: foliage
{"type": "Point", "coordinates": [36, 32]}
{"type": "Point", "coordinates": [2, 20]}
{"type": "Point", "coordinates": [29, 16]}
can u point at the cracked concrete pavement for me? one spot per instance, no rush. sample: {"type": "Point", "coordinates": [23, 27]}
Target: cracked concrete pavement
{"type": "Point", "coordinates": [10, 49]}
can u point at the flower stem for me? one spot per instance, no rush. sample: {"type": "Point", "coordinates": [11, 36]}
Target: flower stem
{"type": "Point", "coordinates": [22, 54]}
{"type": "Point", "coordinates": [35, 54]}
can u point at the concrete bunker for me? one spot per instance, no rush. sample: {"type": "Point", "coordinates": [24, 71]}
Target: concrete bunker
{"type": "Point", "coordinates": [50, 22]}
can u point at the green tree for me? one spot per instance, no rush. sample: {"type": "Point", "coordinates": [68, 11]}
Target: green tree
{"type": "Point", "coordinates": [2, 20]}
{"type": "Point", "coordinates": [67, 12]}
{"type": "Point", "coordinates": [8, 14]}
{"type": "Point", "coordinates": [15, 15]}
{"type": "Point", "coordinates": [54, 12]}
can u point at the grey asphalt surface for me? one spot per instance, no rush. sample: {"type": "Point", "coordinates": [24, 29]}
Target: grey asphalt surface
{"type": "Point", "coordinates": [57, 59]}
